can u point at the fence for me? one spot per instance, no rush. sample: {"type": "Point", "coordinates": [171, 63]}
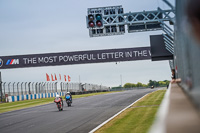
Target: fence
{"type": "Point", "coordinates": [17, 91]}
{"type": "Point", "coordinates": [123, 89]}
{"type": "Point", "coordinates": [187, 53]}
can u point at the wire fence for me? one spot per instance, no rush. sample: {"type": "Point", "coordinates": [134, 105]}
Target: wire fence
{"type": "Point", "coordinates": [124, 89]}
{"type": "Point", "coordinates": [23, 88]}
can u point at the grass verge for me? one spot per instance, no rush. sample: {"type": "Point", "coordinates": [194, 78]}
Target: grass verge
{"type": "Point", "coordinates": [5, 107]}
{"type": "Point", "coordinates": [138, 118]}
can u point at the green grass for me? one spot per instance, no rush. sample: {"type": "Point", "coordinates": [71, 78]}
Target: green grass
{"type": "Point", "coordinates": [138, 118]}
{"type": "Point", "coordinates": [5, 107]}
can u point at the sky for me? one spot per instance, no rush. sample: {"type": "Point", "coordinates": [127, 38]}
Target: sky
{"type": "Point", "coordinates": [49, 26]}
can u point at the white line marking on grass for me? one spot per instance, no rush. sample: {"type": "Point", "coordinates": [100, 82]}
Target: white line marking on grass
{"type": "Point", "coordinates": [102, 124]}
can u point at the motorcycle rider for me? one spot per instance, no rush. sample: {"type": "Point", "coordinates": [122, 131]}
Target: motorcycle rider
{"type": "Point", "coordinates": [68, 93]}
{"type": "Point", "coordinates": [58, 96]}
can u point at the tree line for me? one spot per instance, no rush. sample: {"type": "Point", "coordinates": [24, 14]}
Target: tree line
{"type": "Point", "coordinates": [151, 83]}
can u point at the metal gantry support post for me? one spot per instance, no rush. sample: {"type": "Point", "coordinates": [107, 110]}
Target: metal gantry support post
{"type": "Point", "coordinates": [169, 33]}
{"type": "Point", "coordinates": [1, 88]}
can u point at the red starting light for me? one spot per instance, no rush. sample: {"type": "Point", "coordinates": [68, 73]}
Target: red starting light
{"type": "Point", "coordinates": [99, 23]}
{"type": "Point", "coordinates": [91, 24]}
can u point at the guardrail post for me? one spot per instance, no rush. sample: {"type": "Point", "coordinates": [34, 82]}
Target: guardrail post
{"type": "Point", "coordinates": [39, 85]}
{"type": "Point", "coordinates": [29, 88]}
{"type": "Point", "coordinates": [9, 87]}
{"type": "Point", "coordinates": [61, 86]}
{"type": "Point", "coordinates": [56, 89]}
{"type": "Point", "coordinates": [21, 89]}
{"type": "Point", "coordinates": [33, 88]}
{"type": "Point", "coordinates": [51, 87]}
{"type": "Point", "coordinates": [36, 87]}
{"type": "Point", "coordinates": [67, 87]}
{"type": "Point", "coordinates": [44, 86]}
{"type": "Point", "coordinates": [25, 88]}
{"type": "Point", "coordinates": [18, 87]}
{"type": "Point", "coordinates": [47, 87]}
{"type": "Point", "coordinates": [13, 89]}
{"type": "Point", "coordinates": [4, 87]}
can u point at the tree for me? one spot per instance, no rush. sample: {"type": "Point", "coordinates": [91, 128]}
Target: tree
{"type": "Point", "coordinates": [127, 85]}
{"type": "Point", "coordinates": [139, 84]}
{"type": "Point", "coordinates": [151, 83]}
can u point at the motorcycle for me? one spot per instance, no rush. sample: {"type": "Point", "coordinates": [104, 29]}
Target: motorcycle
{"type": "Point", "coordinates": [59, 103]}
{"type": "Point", "coordinates": [68, 100]}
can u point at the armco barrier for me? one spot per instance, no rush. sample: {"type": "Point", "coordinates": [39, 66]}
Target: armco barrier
{"type": "Point", "coordinates": [33, 96]}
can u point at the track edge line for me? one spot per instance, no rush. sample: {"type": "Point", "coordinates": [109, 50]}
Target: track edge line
{"type": "Point", "coordinates": [105, 122]}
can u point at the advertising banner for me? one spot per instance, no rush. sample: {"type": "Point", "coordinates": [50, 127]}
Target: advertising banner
{"type": "Point", "coordinates": [77, 57]}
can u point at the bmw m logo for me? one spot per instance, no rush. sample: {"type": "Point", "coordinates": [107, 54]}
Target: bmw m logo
{"type": "Point", "coordinates": [1, 62]}
{"type": "Point", "coordinates": [12, 62]}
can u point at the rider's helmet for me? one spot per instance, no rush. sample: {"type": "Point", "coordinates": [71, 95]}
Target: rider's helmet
{"type": "Point", "coordinates": [68, 93]}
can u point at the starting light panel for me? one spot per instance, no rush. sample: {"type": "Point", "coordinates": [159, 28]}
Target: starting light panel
{"type": "Point", "coordinates": [97, 25]}
{"type": "Point", "coordinates": [106, 21]}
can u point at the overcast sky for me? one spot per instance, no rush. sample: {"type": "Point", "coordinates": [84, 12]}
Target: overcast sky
{"type": "Point", "coordinates": [52, 26]}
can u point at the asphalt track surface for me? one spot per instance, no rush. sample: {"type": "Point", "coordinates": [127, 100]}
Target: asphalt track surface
{"type": "Point", "coordinates": [84, 115]}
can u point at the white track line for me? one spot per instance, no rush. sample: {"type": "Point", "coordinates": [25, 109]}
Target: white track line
{"type": "Point", "coordinates": [95, 129]}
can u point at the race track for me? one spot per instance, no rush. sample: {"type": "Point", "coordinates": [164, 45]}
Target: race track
{"type": "Point", "coordinates": [84, 115]}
